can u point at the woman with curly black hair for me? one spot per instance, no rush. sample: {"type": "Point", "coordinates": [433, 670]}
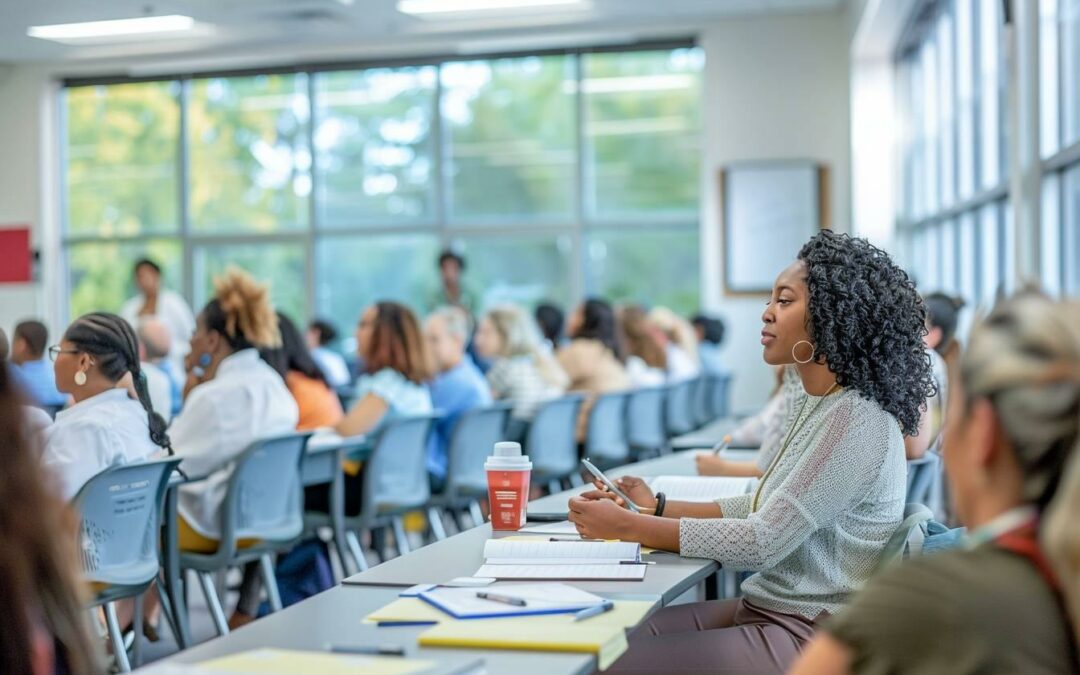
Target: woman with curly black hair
{"type": "Point", "coordinates": [815, 528]}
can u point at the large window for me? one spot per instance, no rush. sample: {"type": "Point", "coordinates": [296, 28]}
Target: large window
{"type": "Point", "coordinates": [558, 176]}
{"type": "Point", "coordinates": [955, 216]}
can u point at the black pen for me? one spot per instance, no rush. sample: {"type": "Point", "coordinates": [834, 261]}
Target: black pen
{"type": "Point", "coordinates": [505, 599]}
{"type": "Point", "coordinates": [369, 651]}
{"type": "Point", "coordinates": [595, 541]}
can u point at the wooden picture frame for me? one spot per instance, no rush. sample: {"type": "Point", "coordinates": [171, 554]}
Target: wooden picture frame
{"type": "Point", "coordinates": [768, 209]}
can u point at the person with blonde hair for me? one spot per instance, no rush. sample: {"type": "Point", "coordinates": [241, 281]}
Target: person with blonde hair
{"type": "Point", "coordinates": [646, 358]}
{"type": "Point", "coordinates": [1012, 442]}
{"type": "Point", "coordinates": [680, 344]}
{"type": "Point", "coordinates": [233, 398]}
{"type": "Point", "coordinates": [521, 372]}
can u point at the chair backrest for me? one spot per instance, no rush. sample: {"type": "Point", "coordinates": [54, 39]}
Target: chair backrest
{"type": "Point", "coordinates": [605, 438]}
{"type": "Point", "coordinates": [922, 473]}
{"type": "Point", "coordinates": [720, 395]}
{"type": "Point", "coordinates": [678, 408]}
{"type": "Point", "coordinates": [120, 510]}
{"type": "Point", "coordinates": [475, 435]}
{"type": "Point", "coordinates": [396, 476]}
{"type": "Point", "coordinates": [265, 498]}
{"type": "Point", "coordinates": [551, 441]}
{"type": "Point", "coordinates": [645, 418]}
{"type": "Point", "coordinates": [702, 403]}
{"type": "Point", "coordinates": [908, 534]}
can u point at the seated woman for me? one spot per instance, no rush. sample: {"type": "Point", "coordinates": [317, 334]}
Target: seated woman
{"type": "Point", "coordinates": [764, 430]}
{"type": "Point", "coordinates": [520, 371]}
{"type": "Point", "coordinates": [234, 398]}
{"type": "Point", "coordinates": [398, 365]}
{"type": "Point", "coordinates": [96, 362]}
{"type": "Point", "coordinates": [815, 528]}
{"type": "Point", "coordinates": [646, 360]}
{"type": "Point", "coordinates": [45, 625]}
{"type": "Point", "coordinates": [317, 403]}
{"type": "Point", "coordinates": [680, 344]}
{"type": "Point", "coordinates": [997, 606]}
{"type": "Point", "coordinates": [942, 313]}
{"type": "Point", "coordinates": [591, 360]}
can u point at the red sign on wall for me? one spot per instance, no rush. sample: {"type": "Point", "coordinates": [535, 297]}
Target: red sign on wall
{"type": "Point", "coordinates": [15, 255]}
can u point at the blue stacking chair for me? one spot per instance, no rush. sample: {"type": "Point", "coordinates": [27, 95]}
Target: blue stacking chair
{"type": "Point", "coordinates": [679, 415]}
{"type": "Point", "coordinates": [605, 439]}
{"type": "Point", "coordinates": [395, 481]}
{"type": "Point", "coordinates": [551, 441]}
{"type": "Point", "coordinates": [645, 421]}
{"type": "Point", "coordinates": [472, 441]}
{"type": "Point", "coordinates": [720, 396]}
{"type": "Point", "coordinates": [120, 512]}
{"type": "Point", "coordinates": [702, 404]}
{"type": "Point", "coordinates": [264, 500]}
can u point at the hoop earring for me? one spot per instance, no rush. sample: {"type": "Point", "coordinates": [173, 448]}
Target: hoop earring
{"type": "Point", "coordinates": [80, 378]}
{"type": "Point", "coordinates": [812, 350]}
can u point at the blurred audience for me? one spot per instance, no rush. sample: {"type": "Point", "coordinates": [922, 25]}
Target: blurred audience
{"type": "Point", "coordinates": [155, 343]}
{"type": "Point", "coordinates": [646, 358]}
{"type": "Point", "coordinates": [155, 301]}
{"type": "Point", "coordinates": [591, 360]}
{"type": "Point", "coordinates": [550, 319]}
{"type": "Point", "coordinates": [709, 332]}
{"type": "Point", "coordinates": [680, 344]}
{"type": "Point", "coordinates": [320, 336]}
{"type": "Point", "coordinates": [31, 372]}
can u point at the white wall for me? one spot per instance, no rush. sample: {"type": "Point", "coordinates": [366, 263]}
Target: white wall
{"type": "Point", "coordinates": [776, 88]}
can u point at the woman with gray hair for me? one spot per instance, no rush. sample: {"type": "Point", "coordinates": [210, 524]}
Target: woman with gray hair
{"type": "Point", "coordinates": [1003, 604]}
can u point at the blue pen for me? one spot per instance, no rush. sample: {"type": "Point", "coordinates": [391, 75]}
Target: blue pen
{"type": "Point", "coordinates": [605, 606]}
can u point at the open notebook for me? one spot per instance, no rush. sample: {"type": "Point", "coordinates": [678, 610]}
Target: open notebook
{"type": "Point", "coordinates": [571, 560]}
{"type": "Point", "coordinates": [701, 488]}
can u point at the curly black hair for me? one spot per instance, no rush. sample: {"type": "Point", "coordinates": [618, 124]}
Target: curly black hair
{"type": "Point", "coordinates": [867, 320]}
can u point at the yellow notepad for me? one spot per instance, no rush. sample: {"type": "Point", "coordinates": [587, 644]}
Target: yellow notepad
{"type": "Point", "coordinates": [289, 662]}
{"type": "Point", "coordinates": [603, 635]}
{"type": "Point", "coordinates": [407, 610]}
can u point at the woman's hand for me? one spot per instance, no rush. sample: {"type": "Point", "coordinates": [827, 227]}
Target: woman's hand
{"type": "Point", "coordinates": [601, 518]}
{"type": "Point", "coordinates": [636, 489]}
{"type": "Point", "coordinates": [709, 464]}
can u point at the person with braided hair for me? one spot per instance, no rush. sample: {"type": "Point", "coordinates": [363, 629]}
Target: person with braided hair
{"type": "Point", "coordinates": [232, 399]}
{"type": "Point", "coordinates": [112, 421]}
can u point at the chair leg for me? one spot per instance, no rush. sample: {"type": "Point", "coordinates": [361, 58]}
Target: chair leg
{"type": "Point", "coordinates": [436, 522]}
{"type": "Point", "coordinates": [167, 610]}
{"type": "Point", "coordinates": [116, 638]}
{"type": "Point", "coordinates": [476, 513]}
{"type": "Point", "coordinates": [206, 581]}
{"type": "Point", "coordinates": [137, 627]}
{"type": "Point", "coordinates": [273, 594]}
{"type": "Point", "coordinates": [400, 536]}
{"type": "Point", "coordinates": [356, 551]}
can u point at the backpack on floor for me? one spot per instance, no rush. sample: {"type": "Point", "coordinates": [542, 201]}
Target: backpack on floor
{"type": "Point", "coordinates": [302, 572]}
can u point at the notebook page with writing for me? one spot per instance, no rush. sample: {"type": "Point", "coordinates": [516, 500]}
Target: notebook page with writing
{"type": "Point", "coordinates": [700, 488]}
{"type": "Point", "coordinates": [505, 552]}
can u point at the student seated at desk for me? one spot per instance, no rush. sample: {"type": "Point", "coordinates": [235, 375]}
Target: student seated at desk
{"type": "Point", "coordinates": [646, 359]}
{"type": "Point", "coordinates": [45, 628]}
{"type": "Point", "coordinates": [96, 362]}
{"type": "Point", "coordinates": [317, 403]}
{"type": "Point", "coordinates": [29, 368]}
{"type": "Point", "coordinates": [398, 367]}
{"type": "Point", "coordinates": [817, 524]}
{"type": "Point", "coordinates": [591, 360]}
{"type": "Point", "coordinates": [234, 398]}
{"type": "Point", "coordinates": [1012, 456]}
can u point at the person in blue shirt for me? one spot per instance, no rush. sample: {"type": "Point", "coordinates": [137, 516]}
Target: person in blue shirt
{"type": "Point", "coordinates": [156, 340]}
{"type": "Point", "coordinates": [32, 373]}
{"type": "Point", "coordinates": [459, 385]}
{"type": "Point", "coordinates": [710, 334]}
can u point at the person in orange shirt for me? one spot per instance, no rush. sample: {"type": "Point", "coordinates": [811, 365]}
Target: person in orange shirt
{"type": "Point", "coordinates": [319, 404]}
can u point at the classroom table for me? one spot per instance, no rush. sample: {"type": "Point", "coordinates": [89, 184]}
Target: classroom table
{"type": "Point", "coordinates": [335, 618]}
{"type": "Point", "coordinates": [707, 436]}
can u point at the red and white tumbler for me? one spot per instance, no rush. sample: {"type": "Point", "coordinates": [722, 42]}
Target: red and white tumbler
{"type": "Point", "coordinates": [508, 486]}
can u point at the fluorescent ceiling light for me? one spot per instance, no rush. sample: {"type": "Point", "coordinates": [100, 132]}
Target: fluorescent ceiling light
{"type": "Point", "coordinates": [97, 30]}
{"type": "Point", "coordinates": [424, 7]}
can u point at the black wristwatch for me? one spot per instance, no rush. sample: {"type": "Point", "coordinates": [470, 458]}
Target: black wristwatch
{"type": "Point", "coordinates": [661, 502]}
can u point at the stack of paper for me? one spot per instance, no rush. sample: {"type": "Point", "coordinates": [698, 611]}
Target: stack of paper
{"type": "Point", "coordinates": [577, 560]}
{"type": "Point", "coordinates": [700, 488]}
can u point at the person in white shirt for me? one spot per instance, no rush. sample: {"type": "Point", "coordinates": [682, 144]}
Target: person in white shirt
{"type": "Point", "coordinates": [166, 305]}
{"type": "Point", "coordinates": [97, 363]}
{"type": "Point", "coordinates": [234, 399]}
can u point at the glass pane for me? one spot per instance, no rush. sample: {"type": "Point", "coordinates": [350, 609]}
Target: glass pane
{"type": "Point", "coordinates": [510, 138]}
{"type": "Point", "coordinates": [643, 132]}
{"type": "Point", "coordinates": [907, 140]}
{"type": "Point", "coordinates": [965, 94]}
{"type": "Point", "coordinates": [250, 162]}
{"type": "Point", "coordinates": [949, 258]}
{"type": "Point", "coordinates": [122, 166]}
{"type": "Point", "coordinates": [947, 109]}
{"type": "Point", "coordinates": [1049, 69]}
{"type": "Point", "coordinates": [373, 145]}
{"type": "Point", "coordinates": [989, 261]}
{"type": "Point", "coordinates": [525, 269]}
{"type": "Point", "coordinates": [1050, 244]}
{"type": "Point", "coordinates": [990, 123]}
{"type": "Point", "coordinates": [933, 258]}
{"type": "Point", "coordinates": [280, 265]}
{"type": "Point", "coordinates": [1008, 247]}
{"type": "Point", "coordinates": [968, 242]}
{"type": "Point", "coordinates": [1070, 70]}
{"type": "Point", "coordinates": [101, 274]}
{"type": "Point", "coordinates": [1072, 231]}
{"type": "Point", "coordinates": [931, 124]}
{"type": "Point", "coordinates": [616, 260]}
{"type": "Point", "coordinates": [353, 272]}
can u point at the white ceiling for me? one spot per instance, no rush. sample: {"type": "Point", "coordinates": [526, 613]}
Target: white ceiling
{"type": "Point", "coordinates": [310, 29]}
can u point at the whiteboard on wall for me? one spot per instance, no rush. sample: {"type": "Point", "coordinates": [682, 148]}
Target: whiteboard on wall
{"type": "Point", "coordinates": [770, 209]}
